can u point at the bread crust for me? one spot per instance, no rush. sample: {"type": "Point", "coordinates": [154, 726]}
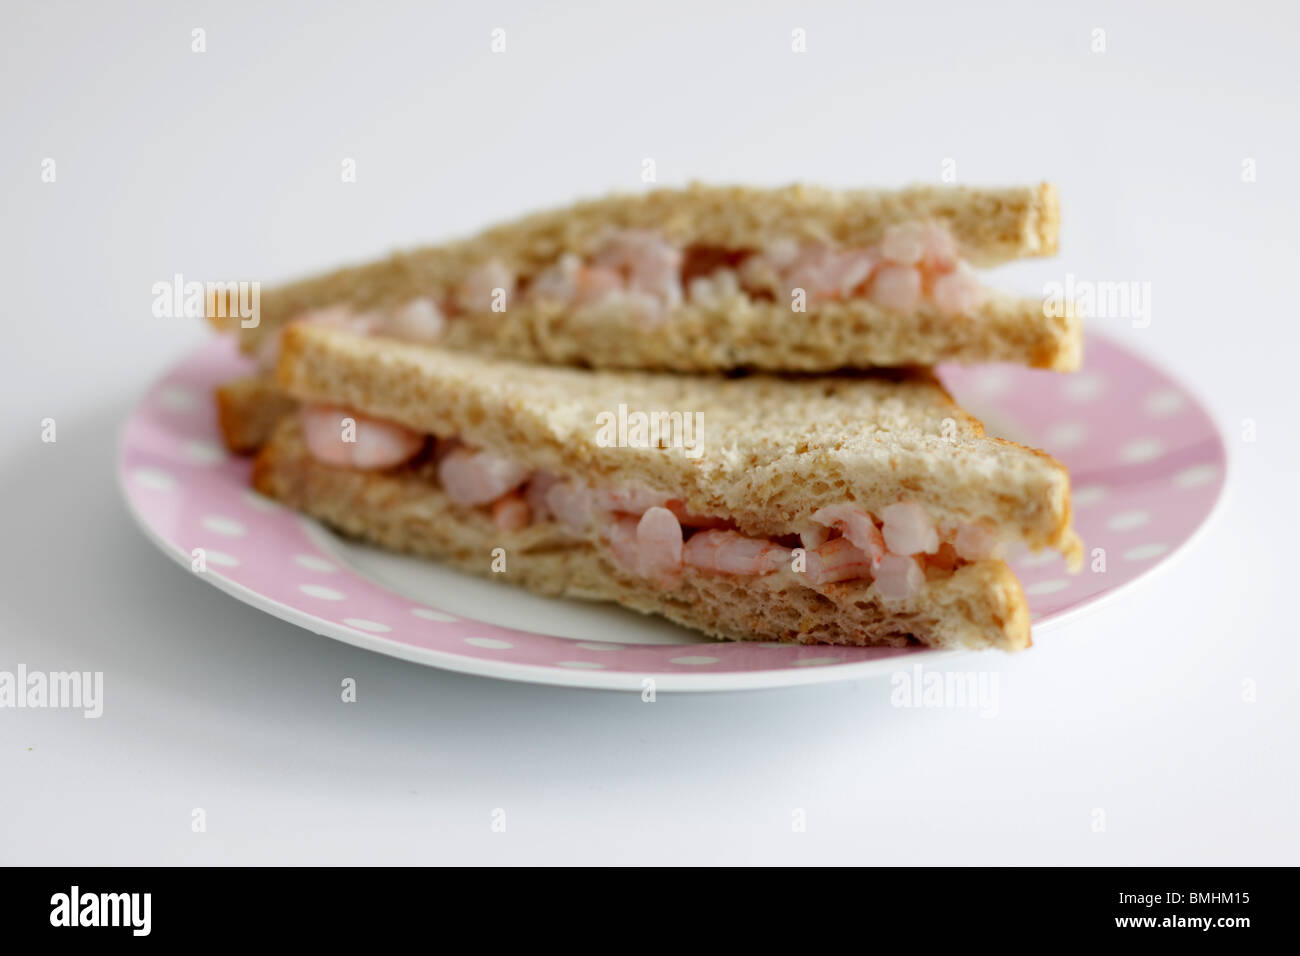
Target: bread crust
{"type": "Point", "coordinates": [991, 226]}
{"type": "Point", "coordinates": [743, 333]}
{"type": "Point", "coordinates": [248, 409]}
{"type": "Point", "coordinates": [981, 605]}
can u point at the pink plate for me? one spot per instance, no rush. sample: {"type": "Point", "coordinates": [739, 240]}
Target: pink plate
{"type": "Point", "coordinates": [1146, 459]}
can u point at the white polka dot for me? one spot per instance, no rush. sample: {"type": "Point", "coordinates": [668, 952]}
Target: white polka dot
{"type": "Point", "coordinates": [1038, 559]}
{"type": "Point", "coordinates": [589, 646]}
{"type": "Point", "coordinates": [581, 665]}
{"type": "Point", "coordinates": [176, 398]}
{"type": "Point", "coordinates": [816, 661]}
{"type": "Point", "coordinates": [489, 643]}
{"type": "Point", "coordinates": [1066, 435]}
{"type": "Point", "coordinates": [1087, 495]}
{"type": "Point", "coordinates": [313, 563]}
{"type": "Point", "coordinates": [1163, 401]}
{"type": "Point", "coordinates": [260, 502]}
{"type": "Point", "coordinates": [1083, 386]}
{"type": "Point", "coordinates": [692, 660]}
{"type": "Point", "coordinates": [993, 381]}
{"type": "Point", "coordinates": [1050, 586]}
{"type": "Point", "coordinates": [320, 591]}
{"type": "Point", "coordinates": [1145, 552]}
{"type": "Point", "coordinates": [1196, 475]}
{"type": "Point", "coordinates": [219, 524]}
{"type": "Point", "coordinates": [154, 479]}
{"type": "Point", "coordinates": [361, 624]}
{"type": "Point", "coordinates": [429, 614]}
{"type": "Point", "coordinates": [220, 558]}
{"type": "Point", "coordinates": [204, 452]}
{"type": "Point", "coordinates": [1128, 519]}
{"type": "Point", "coordinates": [1140, 450]}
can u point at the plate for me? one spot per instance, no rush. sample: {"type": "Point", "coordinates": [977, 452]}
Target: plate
{"type": "Point", "coordinates": [1146, 460]}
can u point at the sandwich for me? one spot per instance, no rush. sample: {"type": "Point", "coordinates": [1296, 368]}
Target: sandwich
{"type": "Point", "coordinates": [705, 279]}
{"type": "Point", "coordinates": [854, 509]}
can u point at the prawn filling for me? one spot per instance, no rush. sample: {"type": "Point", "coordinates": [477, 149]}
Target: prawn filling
{"type": "Point", "coordinates": [652, 535]}
{"type": "Point", "coordinates": [645, 277]}
{"type": "Point", "coordinates": [638, 276]}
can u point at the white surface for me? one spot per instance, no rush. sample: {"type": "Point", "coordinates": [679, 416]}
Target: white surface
{"type": "Point", "coordinates": [226, 165]}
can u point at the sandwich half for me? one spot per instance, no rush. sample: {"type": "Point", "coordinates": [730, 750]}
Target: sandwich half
{"type": "Point", "coordinates": [712, 278]}
{"type": "Point", "coordinates": [853, 509]}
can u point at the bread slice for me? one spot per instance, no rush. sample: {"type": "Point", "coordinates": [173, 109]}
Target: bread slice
{"type": "Point", "coordinates": [980, 605]}
{"type": "Point", "coordinates": [248, 409]}
{"type": "Point", "coordinates": [743, 333]}
{"type": "Point", "coordinates": [769, 452]}
{"type": "Point", "coordinates": [737, 330]}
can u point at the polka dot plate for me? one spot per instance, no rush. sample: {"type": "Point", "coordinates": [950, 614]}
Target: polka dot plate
{"type": "Point", "coordinates": [1147, 462]}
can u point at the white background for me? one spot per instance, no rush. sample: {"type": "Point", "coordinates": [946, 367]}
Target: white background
{"type": "Point", "coordinates": [226, 164]}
